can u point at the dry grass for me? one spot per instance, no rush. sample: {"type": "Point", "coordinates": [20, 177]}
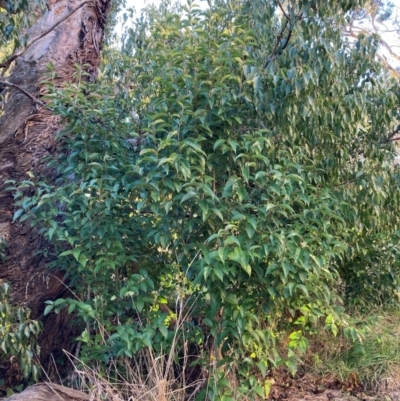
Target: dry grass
{"type": "Point", "coordinates": [332, 363]}
{"type": "Point", "coordinates": [144, 378]}
{"type": "Point", "coordinates": [373, 364]}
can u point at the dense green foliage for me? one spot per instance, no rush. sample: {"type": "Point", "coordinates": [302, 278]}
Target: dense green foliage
{"type": "Point", "coordinates": [19, 334]}
{"type": "Point", "coordinates": [235, 159]}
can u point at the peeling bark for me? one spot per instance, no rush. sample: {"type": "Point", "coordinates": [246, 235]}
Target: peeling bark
{"type": "Point", "coordinates": [70, 33]}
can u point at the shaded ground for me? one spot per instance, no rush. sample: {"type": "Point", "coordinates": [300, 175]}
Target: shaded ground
{"type": "Point", "coordinates": [292, 390]}
{"type": "Point", "coordinates": [307, 389]}
{"type": "Point", "coordinates": [335, 395]}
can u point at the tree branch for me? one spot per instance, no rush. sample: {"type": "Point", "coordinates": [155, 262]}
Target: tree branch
{"type": "Point", "coordinates": [390, 138]}
{"type": "Point", "coordinates": [279, 47]}
{"type": "Point", "coordinates": [283, 11]}
{"type": "Point", "coordinates": [273, 55]}
{"type": "Point", "coordinates": [33, 98]}
{"type": "Point", "coordinates": [7, 63]}
{"type": "Point", "coordinates": [355, 31]}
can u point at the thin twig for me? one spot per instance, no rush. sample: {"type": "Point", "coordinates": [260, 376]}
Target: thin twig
{"type": "Point", "coordinates": [55, 365]}
{"type": "Point", "coordinates": [279, 48]}
{"type": "Point", "coordinates": [392, 134]}
{"type": "Point", "coordinates": [272, 57]}
{"type": "Point", "coordinates": [283, 11]}
{"type": "Point", "coordinates": [33, 98]}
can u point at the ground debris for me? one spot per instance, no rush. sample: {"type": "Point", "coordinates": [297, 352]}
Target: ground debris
{"type": "Point", "coordinates": [332, 395]}
{"type": "Point", "coordinates": [313, 388]}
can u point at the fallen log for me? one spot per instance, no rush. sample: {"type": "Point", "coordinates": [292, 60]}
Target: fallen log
{"type": "Point", "coordinates": [49, 392]}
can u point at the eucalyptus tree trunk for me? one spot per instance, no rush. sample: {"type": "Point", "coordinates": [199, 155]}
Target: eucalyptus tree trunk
{"type": "Point", "coordinates": [69, 33]}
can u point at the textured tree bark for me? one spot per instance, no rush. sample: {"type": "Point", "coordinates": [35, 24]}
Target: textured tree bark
{"type": "Point", "coordinates": [70, 32]}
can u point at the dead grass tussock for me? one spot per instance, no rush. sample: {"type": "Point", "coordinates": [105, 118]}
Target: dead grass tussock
{"type": "Point", "coordinates": [147, 376]}
{"type": "Point", "coordinates": [143, 378]}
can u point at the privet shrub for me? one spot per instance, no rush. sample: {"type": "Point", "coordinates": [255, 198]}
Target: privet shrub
{"type": "Point", "coordinates": [235, 158]}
